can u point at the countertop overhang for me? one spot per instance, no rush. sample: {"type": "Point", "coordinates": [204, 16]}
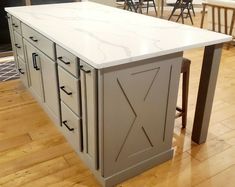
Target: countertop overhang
{"type": "Point", "coordinates": [104, 36]}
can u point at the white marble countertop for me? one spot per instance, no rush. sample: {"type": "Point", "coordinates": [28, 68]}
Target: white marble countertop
{"type": "Point", "coordinates": [104, 36]}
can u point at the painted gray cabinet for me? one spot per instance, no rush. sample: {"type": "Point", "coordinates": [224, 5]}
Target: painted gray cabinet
{"type": "Point", "coordinates": [34, 63]}
{"type": "Point", "coordinates": [43, 80]}
{"type": "Point", "coordinates": [9, 18]}
{"type": "Point", "coordinates": [23, 71]}
{"type": "Point", "coordinates": [118, 119]}
{"type": "Point", "coordinates": [137, 113]}
{"type": "Point", "coordinates": [89, 112]}
{"type": "Point", "coordinates": [50, 84]}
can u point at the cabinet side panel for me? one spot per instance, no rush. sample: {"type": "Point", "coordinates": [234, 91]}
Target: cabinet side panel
{"type": "Point", "coordinates": [138, 112]}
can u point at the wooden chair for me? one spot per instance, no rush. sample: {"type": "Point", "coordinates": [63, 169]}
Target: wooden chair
{"type": "Point", "coordinates": [183, 5]}
{"type": "Point", "coordinates": [182, 111]}
{"type": "Point", "coordinates": [221, 18]}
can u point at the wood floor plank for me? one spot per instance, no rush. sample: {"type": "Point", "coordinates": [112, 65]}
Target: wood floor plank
{"type": "Point", "coordinates": [225, 178]}
{"type": "Point", "coordinates": [30, 148]}
{"type": "Point", "coordinates": [20, 163]}
{"type": "Point", "coordinates": [77, 170]}
{"type": "Point", "coordinates": [47, 130]}
{"type": "Point", "coordinates": [33, 173]}
{"type": "Point", "coordinates": [72, 158]}
{"type": "Point", "coordinates": [20, 120]}
{"type": "Point", "coordinates": [13, 142]}
{"type": "Point", "coordinates": [205, 151]}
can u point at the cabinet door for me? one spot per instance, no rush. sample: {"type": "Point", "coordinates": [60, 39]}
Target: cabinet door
{"type": "Point", "coordinates": [50, 83]}
{"type": "Point", "coordinates": [33, 60]}
{"type": "Point", "coordinates": [89, 113]}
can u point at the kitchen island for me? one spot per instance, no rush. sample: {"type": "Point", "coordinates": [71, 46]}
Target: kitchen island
{"type": "Point", "coordinates": [109, 79]}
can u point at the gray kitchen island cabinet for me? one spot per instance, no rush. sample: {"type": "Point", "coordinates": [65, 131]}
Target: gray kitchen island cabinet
{"type": "Point", "coordinates": [111, 87]}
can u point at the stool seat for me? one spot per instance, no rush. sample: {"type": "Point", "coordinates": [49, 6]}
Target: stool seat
{"type": "Point", "coordinates": [182, 111]}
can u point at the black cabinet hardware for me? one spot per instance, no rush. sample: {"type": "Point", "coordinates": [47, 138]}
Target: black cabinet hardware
{"type": "Point", "coordinates": [65, 91]}
{"type": "Point", "coordinates": [33, 39]}
{"type": "Point", "coordinates": [61, 59]}
{"type": "Point", "coordinates": [86, 71]}
{"type": "Point", "coordinates": [34, 56]}
{"type": "Point", "coordinates": [17, 45]}
{"type": "Point", "coordinates": [66, 125]}
{"type": "Point", "coordinates": [14, 25]}
{"type": "Point", "coordinates": [21, 72]}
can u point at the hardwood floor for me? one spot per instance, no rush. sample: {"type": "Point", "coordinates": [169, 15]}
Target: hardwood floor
{"type": "Point", "coordinates": [34, 153]}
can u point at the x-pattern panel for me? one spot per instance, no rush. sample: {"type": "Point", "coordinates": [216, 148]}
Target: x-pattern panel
{"type": "Point", "coordinates": [135, 113]}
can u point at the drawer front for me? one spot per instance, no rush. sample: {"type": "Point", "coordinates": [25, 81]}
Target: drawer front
{"type": "Point", "coordinates": [16, 25]}
{"type": "Point", "coordinates": [23, 72]}
{"type": "Point", "coordinates": [19, 45]}
{"type": "Point", "coordinates": [69, 90]}
{"type": "Point", "coordinates": [71, 127]}
{"type": "Point", "coordinates": [67, 60]}
{"type": "Point", "coordinates": [38, 40]}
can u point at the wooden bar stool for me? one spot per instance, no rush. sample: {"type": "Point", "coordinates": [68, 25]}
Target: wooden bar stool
{"type": "Point", "coordinates": [182, 111]}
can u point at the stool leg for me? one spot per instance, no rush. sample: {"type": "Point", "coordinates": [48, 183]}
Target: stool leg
{"type": "Point", "coordinates": [185, 88]}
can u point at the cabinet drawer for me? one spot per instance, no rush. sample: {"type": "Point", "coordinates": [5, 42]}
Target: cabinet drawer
{"type": "Point", "coordinates": [23, 72]}
{"type": "Point", "coordinates": [71, 127]}
{"type": "Point", "coordinates": [16, 25]}
{"type": "Point", "coordinates": [69, 90]}
{"type": "Point", "coordinates": [19, 45]}
{"type": "Point", "coordinates": [67, 60]}
{"type": "Point", "coordinates": [38, 40]}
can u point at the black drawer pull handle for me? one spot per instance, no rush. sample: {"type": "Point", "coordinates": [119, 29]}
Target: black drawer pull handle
{"type": "Point", "coordinates": [21, 72]}
{"type": "Point", "coordinates": [34, 55]}
{"type": "Point", "coordinates": [86, 71]}
{"type": "Point", "coordinates": [17, 45]}
{"type": "Point", "coordinates": [66, 125]}
{"type": "Point", "coordinates": [14, 25]}
{"type": "Point", "coordinates": [63, 89]}
{"type": "Point", "coordinates": [33, 39]}
{"type": "Point", "coordinates": [61, 59]}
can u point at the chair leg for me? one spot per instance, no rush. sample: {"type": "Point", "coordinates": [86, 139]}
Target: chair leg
{"type": "Point", "coordinates": [173, 11]}
{"type": "Point", "coordinates": [185, 89]}
{"type": "Point", "coordinates": [193, 9]}
{"type": "Point", "coordinates": [154, 5]}
{"type": "Point", "coordinates": [190, 16]}
{"type": "Point", "coordinates": [181, 15]}
{"type": "Point", "coordinates": [147, 6]}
